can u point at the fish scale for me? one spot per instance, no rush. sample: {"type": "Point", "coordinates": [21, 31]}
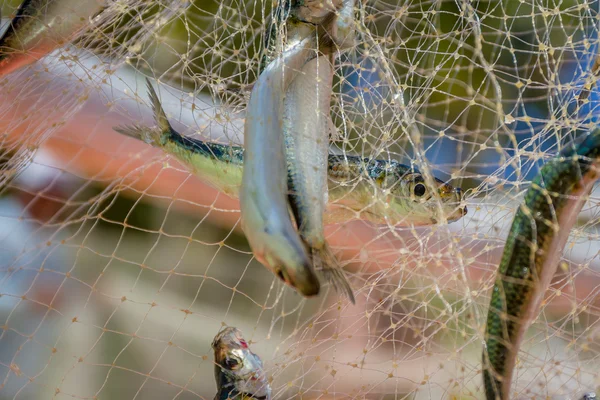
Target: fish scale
{"type": "Point", "coordinates": [528, 264]}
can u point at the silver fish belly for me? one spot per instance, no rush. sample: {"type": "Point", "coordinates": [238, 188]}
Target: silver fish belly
{"type": "Point", "coordinates": [306, 123]}
{"type": "Point", "coordinates": [265, 216]}
{"type": "Point", "coordinates": [306, 116]}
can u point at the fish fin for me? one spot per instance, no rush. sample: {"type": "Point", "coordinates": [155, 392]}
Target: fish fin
{"type": "Point", "coordinates": [154, 135]}
{"type": "Point", "coordinates": [325, 261]}
{"type": "Point", "coordinates": [159, 112]}
{"type": "Point", "coordinates": [145, 134]}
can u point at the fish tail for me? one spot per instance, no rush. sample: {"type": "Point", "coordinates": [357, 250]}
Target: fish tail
{"type": "Point", "coordinates": [150, 135]}
{"type": "Point", "coordinates": [159, 112]}
{"type": "Point", "coordinates": [326, 262]}
{"type": "Point", "coordinates": [157, 135]}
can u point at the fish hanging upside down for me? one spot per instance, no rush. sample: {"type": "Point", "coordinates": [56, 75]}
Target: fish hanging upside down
{"type": "Point", "coordinates": [264, 206]}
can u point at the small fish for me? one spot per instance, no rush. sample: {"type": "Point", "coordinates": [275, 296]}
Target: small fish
{"type": "Point", "coordinates": [308, 126]}
{"type": "Point", "coordinates": [306, 122]}
{"type": "Point", "coordinates": [239, 373]}
{"type": "Point", "coordinates": [265, 216]}
{"type": "Point", "coordinates": [41, 26]}
{"type": "Point", "coordinates": [376, 190]}
{"type": "Point", "coordinates": [537, 237]}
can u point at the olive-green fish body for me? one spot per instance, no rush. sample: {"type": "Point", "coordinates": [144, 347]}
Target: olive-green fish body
{"type": "Point", "coordinates": [220, 165]}
{"type": "Point", "coordinates": [533, 248]}
{"type": "Point", "coordinates": [41, 26]}
{"type": "Point", "coordinates": [356, 184]}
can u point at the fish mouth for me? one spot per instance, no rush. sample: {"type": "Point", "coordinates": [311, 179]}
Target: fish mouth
{"type": "Point", "coordinates": [308, 286]}
{"type": "Point", "coordinates": [461, 209]}
{"type": "Point", "coordinates": [457, 214]}
{"type": "Point", "coordinates": [454, 200]}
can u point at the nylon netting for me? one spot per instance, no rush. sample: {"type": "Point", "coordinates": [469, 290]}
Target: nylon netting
{"type": "Point", "coordinates": [118, 266]}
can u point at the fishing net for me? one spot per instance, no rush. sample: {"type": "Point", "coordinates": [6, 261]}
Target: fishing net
{"type": "Point", "coordinates": [118, 266]}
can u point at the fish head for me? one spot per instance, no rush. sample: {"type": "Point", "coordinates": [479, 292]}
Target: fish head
{"type": "Point", "coordinates": [298, 276]}
{"type": "Point", "coordinates": [412, 201]}
{"type": "Point", "coordinates": [237, 365]}
{"type": "Point", "coordinates": [277, 246]}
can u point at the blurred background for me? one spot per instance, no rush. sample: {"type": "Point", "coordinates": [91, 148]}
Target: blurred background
{"type": "Point", "coordinates": [118, 266]}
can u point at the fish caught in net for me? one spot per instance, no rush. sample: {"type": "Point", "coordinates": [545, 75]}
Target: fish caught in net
{"type": "Point", "coordinates": [120, 262]}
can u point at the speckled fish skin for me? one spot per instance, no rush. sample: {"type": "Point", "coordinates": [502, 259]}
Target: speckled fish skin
{"type": "Point", "coordinates": [239, 373]}
{"type": "Point", "coordinates": [387, 192]}
{"type": "Point", "coordinates": [546, 216]}
{"type": "Point", "coordinates": [353, 182]}
{"type": "Point", "coordinates": [41, 26]}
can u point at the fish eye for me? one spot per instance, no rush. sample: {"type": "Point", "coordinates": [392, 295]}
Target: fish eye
{"type": "Point", "coordinates": [231, 363]}
{"type": "Point", "coordinates": [419, 190]}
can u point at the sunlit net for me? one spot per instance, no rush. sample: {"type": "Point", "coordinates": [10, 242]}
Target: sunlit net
{"type": "Point", "coordinates": [118, 266]}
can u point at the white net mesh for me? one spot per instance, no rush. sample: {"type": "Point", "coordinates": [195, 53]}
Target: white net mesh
{"type": "Point", "coordinates": [118, 266]}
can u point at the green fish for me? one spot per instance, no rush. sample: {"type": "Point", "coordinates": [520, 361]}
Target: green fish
{"type": "Point", "coordinates": [537, 237]}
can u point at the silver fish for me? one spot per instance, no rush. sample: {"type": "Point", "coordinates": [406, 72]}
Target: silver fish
{"type": "Point", "coordinates": [306, 122]}
{"type": "Point", "coordinates": [263, 194]}
{"type": "Point", "coordinates": [41, 26]}
{"type": "Point", "coordinates": [307, 127]}
{"type": "Point", "coordinates": [239, 372]}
